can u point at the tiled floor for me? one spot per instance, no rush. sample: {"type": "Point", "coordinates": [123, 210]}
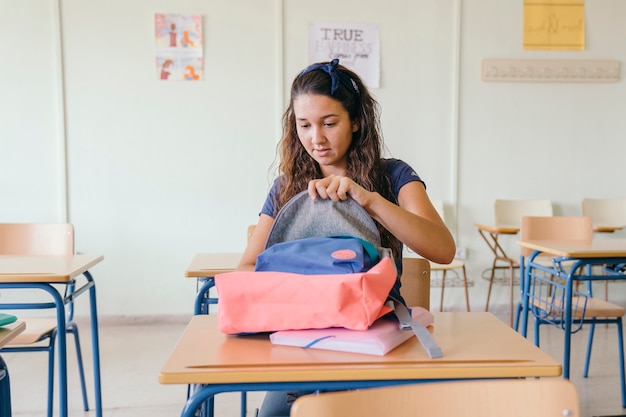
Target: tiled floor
{"type": "Point", "coordinates": [133, 353]}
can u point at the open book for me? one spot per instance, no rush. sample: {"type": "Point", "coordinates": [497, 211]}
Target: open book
{"type": "Point", "coordinates": [382, 337]}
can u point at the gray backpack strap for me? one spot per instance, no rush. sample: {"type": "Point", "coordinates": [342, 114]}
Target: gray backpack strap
{"type": "Point", "coordinates": [422, 333]}
{"type": "Point", "coordinates": [303, 217]}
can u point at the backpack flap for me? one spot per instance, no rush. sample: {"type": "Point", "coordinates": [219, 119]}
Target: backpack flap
{"type": "Point", "coordinates": [319, 255]}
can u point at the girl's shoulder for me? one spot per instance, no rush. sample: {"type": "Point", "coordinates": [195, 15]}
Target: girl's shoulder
{"type": "Point", "coordinates": [397, 167]}
{"type": "Point", "coordinates": [400, 173]}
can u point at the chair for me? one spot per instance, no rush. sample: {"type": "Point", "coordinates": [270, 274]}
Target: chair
{"type": "Point", "coordinates": [43, 239]}
{"type": "Point", "coordinates": [607, 215]}
{"type": "Point", "coordinates": [548, 291]}
{"type": "Point", "coordinates": [478, 398]}
{"type": "Point", "coordinates": [456, 264]}
{"type": "Point", "coordinates": [508, 215]}
{"type": "Point", "coordinates": [415, 282]}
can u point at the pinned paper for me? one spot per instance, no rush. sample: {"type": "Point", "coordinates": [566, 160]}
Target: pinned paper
{"type": "Point", "coordinates": [554, 24]}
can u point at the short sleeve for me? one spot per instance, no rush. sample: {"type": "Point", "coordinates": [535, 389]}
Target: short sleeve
{"type": "Point", "coordinates": [269, 207]}
{"type": "Point", "coordinates": [400, 174]}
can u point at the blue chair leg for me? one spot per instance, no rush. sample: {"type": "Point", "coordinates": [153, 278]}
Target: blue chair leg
{"type": "Point", "coordinates": [518, 312]}
{"type": "Point", "coordinates": [620, 343]}
{"type": "Point", "coordinates": [244, 403]}
{"type": "Point", "coordinates": [73, 328]}
{"type": "Point", "coordinates": [51, 351]}
{"type": "Point", "coordinates": [537, 324]}
{"type": "Point", "coordinates": [592, 329]}
{"type": "Point", "coordinates": [5, 390]}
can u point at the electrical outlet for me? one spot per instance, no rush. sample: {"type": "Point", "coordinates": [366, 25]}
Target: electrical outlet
{"type": "Point", "coordinates": [461, 253]}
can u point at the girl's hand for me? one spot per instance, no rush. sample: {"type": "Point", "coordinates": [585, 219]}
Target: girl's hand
{"type": "Point", "coordinates": [337, 187]}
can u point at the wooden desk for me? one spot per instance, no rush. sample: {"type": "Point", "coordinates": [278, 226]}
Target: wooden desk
{"type": "Point", "coordinates": [204, 267]}
{"type": "Point", "coordinates": [40, 272]}
{"type": "Point", "coordinates": [583, 253]}
{"type": "Point", "coordinates": [475, 345]}
{"type": "Point", "coordinates": [7, 333]}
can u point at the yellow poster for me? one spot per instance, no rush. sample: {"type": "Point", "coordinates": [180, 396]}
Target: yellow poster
{"type": "Point", "coordinates": [554, 24]}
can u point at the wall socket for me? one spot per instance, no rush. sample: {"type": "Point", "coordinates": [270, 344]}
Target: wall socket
{"type": "Point", "coordinates": [461, 253]}
{"type": "Point", "coordinates": [550, 70]}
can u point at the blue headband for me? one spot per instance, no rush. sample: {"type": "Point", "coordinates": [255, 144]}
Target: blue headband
{"type": "Point", "coordinates": [336, 76]}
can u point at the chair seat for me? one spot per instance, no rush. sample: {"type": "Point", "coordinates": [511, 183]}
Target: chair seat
{"type": "Point", "coordinates": [36, 328]}
{"type": "Point", "coordinates": [455, 264]}
{"type": "Point", "coordinates": [595, 308]}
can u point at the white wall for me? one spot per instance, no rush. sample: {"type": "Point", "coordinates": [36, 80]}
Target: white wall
{"type": "Point", "coordinates": [159, 171]}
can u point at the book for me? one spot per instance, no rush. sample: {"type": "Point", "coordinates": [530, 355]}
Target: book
{"type": "Point", "coordinates": [381, 338]}
{"type": "Point", "coordinates": [7, 319]}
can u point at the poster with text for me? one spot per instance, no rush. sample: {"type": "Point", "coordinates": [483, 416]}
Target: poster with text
{"type": "Point", "coordinates": [178, 39]}
{"type": "Point", "coordinates": [356, 45]}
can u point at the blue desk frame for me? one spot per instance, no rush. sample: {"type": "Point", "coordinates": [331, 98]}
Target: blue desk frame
{"type": "Point", "coordinates": [207, 392]}
{"type": "Point", "coordinates": [58, 304]}
{"type": "Point", "coordinates": [580, 271]}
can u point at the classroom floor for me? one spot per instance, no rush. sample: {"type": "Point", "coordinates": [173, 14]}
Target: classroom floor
{"type": "Point", "coordinates": [132, 353]}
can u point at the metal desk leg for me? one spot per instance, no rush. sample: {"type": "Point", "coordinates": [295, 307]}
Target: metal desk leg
{"type": "Point", "coordinates": [95, 344]}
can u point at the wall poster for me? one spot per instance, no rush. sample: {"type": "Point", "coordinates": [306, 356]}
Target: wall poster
{"type": "Point", "coordinates": [178, 39]}
{"type": "Point", "coordinates": [356, 45]}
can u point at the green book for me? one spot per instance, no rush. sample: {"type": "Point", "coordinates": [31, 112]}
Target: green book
{"type": "Point", "coordinates": [6, 319]}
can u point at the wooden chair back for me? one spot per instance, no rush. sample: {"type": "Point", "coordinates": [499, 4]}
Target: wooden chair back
{"type": "Point", "coordinates": [36, 239]}
{"type": "Point", "coordinates": [510, 212]}
{"type": "Point", "coordinates": [478, 398]}
{"type": "Point", "coordinates": [415, 281]}
{"type": "Point", "coordinates": [577, 228]}
{"type": "Point", "coordinates": [605, 211]}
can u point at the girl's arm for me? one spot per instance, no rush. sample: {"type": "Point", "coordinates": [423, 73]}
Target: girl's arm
{"type": "Point", "coordinates": [256, 243]}
{"type": "Point", "coordinates": [415, 222]}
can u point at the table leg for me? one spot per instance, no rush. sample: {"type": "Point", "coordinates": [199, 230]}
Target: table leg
{"type": "Point", "coordinates": [95, 344]}
{"type": "Point", "coordinates": [525, 283]}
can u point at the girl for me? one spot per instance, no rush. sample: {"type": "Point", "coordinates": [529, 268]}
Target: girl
{"type": "Point", "coordinates": [331, 146]}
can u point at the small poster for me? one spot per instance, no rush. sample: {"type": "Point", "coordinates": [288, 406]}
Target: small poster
{"type": "Point", "coordinates": [178, 40]}
{"type": "Point", "coordinates": [356, 45]}
{"type": "Point", "coordinates": [554, 24]}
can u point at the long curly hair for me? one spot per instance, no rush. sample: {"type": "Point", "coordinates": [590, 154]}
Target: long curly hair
{"type": "Point", "coordinates": [365, 166]}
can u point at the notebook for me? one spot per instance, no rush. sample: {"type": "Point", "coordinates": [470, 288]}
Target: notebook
{"type": "Point", "coordinates": [381, 338]}
{"type": "Point", "coordinates": [6, 319]}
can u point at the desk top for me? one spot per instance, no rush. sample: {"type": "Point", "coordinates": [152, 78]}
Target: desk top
{"type": "Point", "coordinates": [209, 264]}
{"type": "Point", "coordinates": [500, 229]}
{"type": "Point", "coordinates": [49, 268]}
{"type": "Point", "coordinates": [475, 345]}
{"type": "Point", "coordinates": [596, 248]}
{"type": "Point", "coordinates": [9, 331]}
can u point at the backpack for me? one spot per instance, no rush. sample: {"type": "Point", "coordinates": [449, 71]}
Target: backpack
{"type": "Point", "coordinates": [295, 288]}
{"type": "Point", "coordinates": [270, 300]}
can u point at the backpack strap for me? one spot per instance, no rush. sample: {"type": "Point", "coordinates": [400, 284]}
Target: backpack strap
{"type": "Point", "coordinates": [422, 333]}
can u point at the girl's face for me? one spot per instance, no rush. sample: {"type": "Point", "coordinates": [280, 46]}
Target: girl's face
{"type": "Point", "coordinates": [325, 130]}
